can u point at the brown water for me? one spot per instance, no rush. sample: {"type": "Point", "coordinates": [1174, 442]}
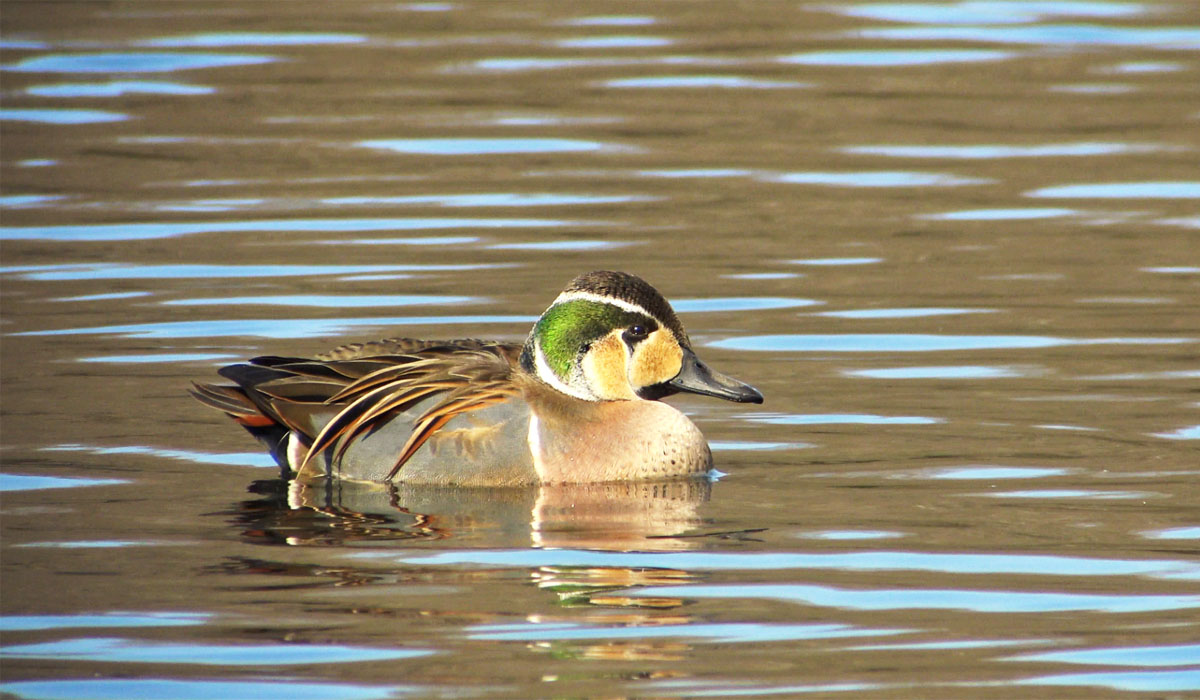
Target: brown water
{"type": "Point", "coordinates": [955, 245]}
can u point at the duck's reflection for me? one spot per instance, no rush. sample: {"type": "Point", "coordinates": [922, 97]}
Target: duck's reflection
{"type": "Point", "coordinates": [643, 516]}
{"type": "Point", "coordinates": [594, 608]}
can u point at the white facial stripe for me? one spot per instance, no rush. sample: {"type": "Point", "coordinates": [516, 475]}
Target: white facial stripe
{"type": "Point", "coordinates": [619, 303]}
{"type": "Point", "coordinates": [546, 374]}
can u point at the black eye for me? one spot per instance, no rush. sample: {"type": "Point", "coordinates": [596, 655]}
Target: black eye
{"type": "Point", "coordinates": [636, 332]}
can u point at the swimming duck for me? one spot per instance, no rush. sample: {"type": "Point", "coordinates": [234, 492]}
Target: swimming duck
{"type": "Point", "coordinates": [578, 402]}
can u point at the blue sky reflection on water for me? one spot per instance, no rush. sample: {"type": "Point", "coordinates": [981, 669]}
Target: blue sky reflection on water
{"type": "Point", "coordinates": [483, 146]}
{"type": "Point", "coordinates": [722, 633]}
{"type": "Point", "coordinates": [9, 623]}
{"type": "Point", "coordinates": [132, 62]}
{"type": "Point", "coordinates": [1133, 681]}
{"type": "Point", "coordinates": [1174, 655]}
{"type": "Point", "coordinates": [243, 459]}
{"type": "Point", "coordinates": [1172, 38]}
{"type": "Point", "coordinates": [996, 150]}
{"type": "Point", "coordinates": [334, 301]}
{"type": "Point", "coordinates": [32, 482]}
{"type": "Point", "coordinates": [117, 88]}
{"type": "Point", "coordinates": [198, 689]}
{"type": "Point", "coordinates": [702, 81]}
{"type": "Point", "coordinates": [989, 11]}
{"type": "Point", "coordinates": [918, 342]}
{"type": "Point", "coordinates": [881, 58]}
{"type": "Point", "coordinates": [277, 328]}
{"type": "Point", "coordinates": [999, 601]}
{"type": "Point", "coordinates": [937, 372]}
{"type": "Point", "coordinates": [1121, 190]}
{"type": "Point", "coordinates": [61, 116]}
{"type": "Point", "coordinates": [890, 560]}
{"type": "Point", "coordinates": [877, 178]}
{"type": "Point", "coordinates": [123, 650]}
{"type": "Point", "coordinates": [150, 231]}
{"type": "Point", "coordinates": [225, 39]}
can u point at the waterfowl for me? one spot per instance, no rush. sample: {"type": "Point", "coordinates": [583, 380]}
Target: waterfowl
{"type": "Point", "coordinates": [576, 403]}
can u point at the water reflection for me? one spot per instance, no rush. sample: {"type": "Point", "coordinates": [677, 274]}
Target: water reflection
{"type": "Point", "coordinates": [834, 262]}
{"type": "Point", "coordinates": [938, 372]}
{"type": "Point", "coordinates": [478, 146]}
{"type": "Point", "coordinates": [11, 623]}
{"type": "Point", "coordinates": [543, 63]}
{"type": "Point", "coordinates": [340, 301]}
{"type": "Point", "coordinates": [495, 199]}
{"type": "Point", "coordinates": [1129, 681]}
{"type": "Point", "coordinates": [153, 358]}
{"type": "Point", "coordinates": [16, 201]}
{"type": "Point", "coordinates": [32, 482]}
{"type": "Point", "coordinates": [151, 231]}
{"type": "Point", "coordinates": [881, 58]}
{"type": "Point", "coordinates": [853, 561]}
{"type": "Point", "coordinates": [644, 516]}
{"type": "Point", "coordinates": [118, 271]}
{"type": "Point", "coordinates": [1137, 67]}
{"type": "Point", "coordinates": [1178, 655]}
{"type": "Point", "coordinates": [903, 313]}
{"type": "Point", "coordinates": [1012, 214]}
{"type": "Point", "coordinates": [1170, 38]}
{"type": "Point", "coordinates": [128, 650]}
{"type": "Point", "coordinates": [684, 306]}
{"type": "Point", "coordinates": [1003, 601]}
{"type": "Point", "coordinates": [918, 342]}
{"type": "Point", "coordinates": [1174, 533]}
{"type": "Point", "coordinates": [720, 633]}
{"type": "Point", "coordinates": [701, 81]}
{"type": "Point", "coordinates": [990, 11]}
{"type": "Point", "coordinates": [1066, 494]}
{"type": "Point", "coordinates": [576, 245]}
{"type": "Point", "coordinates": [1122, 190]}
{"type": "Point", "coordinates": [146, 62]}
{"type": "Point", "coordinates": [990, 472]}
{"type": "Point", "coordinates": [117, 88]}
{"type": "Point", "coordinates": [247, 459]}
{"type": "Point", "coordinates": [613, 42]}
{"type": "Point", "coordinates": [841, 419]}
{"type": "Point", "coordinates": [183, 689]}
{"type": "Point", "coordinates": [611, 21]}
{"type": "Point", "coordinates": [221, 39]}
{"type": "Point", "coordinates": [992, 151]}
{"type": "Point", "coordinates": [879, 178]}
{"type": "Point", "coordinates": [61, 116]}
{"type": "Point", "coordinates": [277, 327]}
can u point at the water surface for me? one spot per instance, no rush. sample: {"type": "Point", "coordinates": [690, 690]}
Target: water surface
{"type": "Point", "coordinates": [953, 243]}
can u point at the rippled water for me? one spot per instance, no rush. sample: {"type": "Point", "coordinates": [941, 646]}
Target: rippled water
{"type": "Point", "coordinates": [955, 244]}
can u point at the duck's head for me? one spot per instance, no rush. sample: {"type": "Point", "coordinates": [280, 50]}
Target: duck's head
{"type": "Point", "coordinates": [611, 336]}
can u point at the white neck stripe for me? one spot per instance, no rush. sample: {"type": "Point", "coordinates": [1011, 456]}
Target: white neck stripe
{"type": "Point", "coordinates": [547, 374]}
{"type": "Point", "coordinates": [598, 299]}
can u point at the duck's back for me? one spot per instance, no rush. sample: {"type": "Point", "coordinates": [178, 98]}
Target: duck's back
{"type": "Point", "coordinates": [440, 411]}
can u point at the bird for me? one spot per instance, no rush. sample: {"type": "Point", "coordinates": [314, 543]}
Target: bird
{"type": "Point", "coordinates": [577, 402]}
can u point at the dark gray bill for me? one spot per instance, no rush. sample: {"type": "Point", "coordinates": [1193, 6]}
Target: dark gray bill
{"type": "Point", "coordinates": [695, 377]}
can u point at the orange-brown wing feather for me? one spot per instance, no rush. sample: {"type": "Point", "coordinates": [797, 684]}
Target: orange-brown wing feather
{"type": "Point", "coordinates": [473, 374]}
{"type": "Point", "coordinates": [454, 405]}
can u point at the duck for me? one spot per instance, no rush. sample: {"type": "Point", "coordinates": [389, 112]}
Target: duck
{"type": "Point", "coordinates": [578, 402]}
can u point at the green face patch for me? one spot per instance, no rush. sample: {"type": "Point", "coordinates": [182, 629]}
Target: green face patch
{"type": "Point", "coordinates": [565, 329]}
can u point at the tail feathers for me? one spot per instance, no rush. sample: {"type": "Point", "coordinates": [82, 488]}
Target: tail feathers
{"type": "Point", "coordinates": [233, 402]}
